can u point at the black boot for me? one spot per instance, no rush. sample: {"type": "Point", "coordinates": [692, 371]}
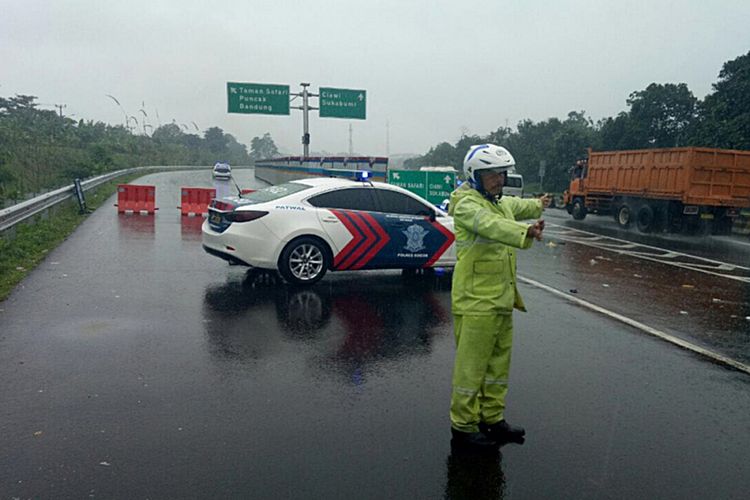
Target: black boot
{"type": "Point", "coordinates": [472, 440]}
{"type": "Point", "coordinates": [503, 432]}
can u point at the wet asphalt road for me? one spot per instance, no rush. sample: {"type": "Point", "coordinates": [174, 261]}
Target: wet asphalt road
{"type": "Point", "coordinates": [708, 310]}
{"type": "Point", "coordinates": [134, 365]}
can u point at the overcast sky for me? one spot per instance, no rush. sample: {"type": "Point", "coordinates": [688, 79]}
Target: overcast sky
{"type": "Point", "coordinates": [431, 69]}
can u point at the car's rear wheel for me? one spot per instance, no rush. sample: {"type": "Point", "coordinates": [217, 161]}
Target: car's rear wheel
{"type": "Point", "coordinates": [304, 261]}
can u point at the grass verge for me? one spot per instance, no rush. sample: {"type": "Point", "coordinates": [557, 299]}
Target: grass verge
{"type": "Point", "coordinates": [21, 252]}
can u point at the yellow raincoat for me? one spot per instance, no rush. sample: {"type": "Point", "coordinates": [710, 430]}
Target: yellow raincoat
{"type": "Point", "coordinates": [483, 297]}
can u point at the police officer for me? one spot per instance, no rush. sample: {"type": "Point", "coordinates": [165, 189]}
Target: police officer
{"type": "Point", "coordinates": [484, 294]}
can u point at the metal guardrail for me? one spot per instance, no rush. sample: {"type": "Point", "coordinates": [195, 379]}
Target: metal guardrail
{"type": "Point", "coordinates": [11, 216]}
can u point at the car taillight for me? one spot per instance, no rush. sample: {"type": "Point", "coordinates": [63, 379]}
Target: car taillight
{"type": "Point", "coordinates": [246, 215]}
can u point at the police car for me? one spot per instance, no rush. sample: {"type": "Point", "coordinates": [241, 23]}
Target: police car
{"type": "Point", "coordinates": [305, 228]}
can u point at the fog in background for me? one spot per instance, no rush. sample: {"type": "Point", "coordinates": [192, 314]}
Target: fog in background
{"type": "Point", "coordinates": [432, 70]}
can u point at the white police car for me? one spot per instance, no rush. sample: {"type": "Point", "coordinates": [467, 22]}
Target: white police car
{"type": "Point", "coordinates": [306, 227]}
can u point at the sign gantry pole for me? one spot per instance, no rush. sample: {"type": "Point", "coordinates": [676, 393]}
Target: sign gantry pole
{"type": "Point", "coordinates": [305, 95]}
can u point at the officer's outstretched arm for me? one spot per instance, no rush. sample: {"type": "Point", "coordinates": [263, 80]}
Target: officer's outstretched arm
{"type": "Point", "coordinates": [490, 226]}
{"type": "Point", "coordinates": [526, 208]}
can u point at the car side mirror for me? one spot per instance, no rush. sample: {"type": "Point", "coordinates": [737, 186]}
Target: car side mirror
{"type": "Point", "coordinates": [433, 216]}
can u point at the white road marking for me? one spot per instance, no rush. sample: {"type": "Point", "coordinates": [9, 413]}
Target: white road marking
{"type": "Point", "coordinates": [719, 358]}
{"type": "Point", "coordinates": [735, 242]}
{"type": "Point", "coordinates": [703, 265]}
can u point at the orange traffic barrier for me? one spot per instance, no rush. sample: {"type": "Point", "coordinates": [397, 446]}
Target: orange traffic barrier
{"type": "Point", "coordinates": [195, 201]}
{"type": "Point", "coordinates": [136, 198]}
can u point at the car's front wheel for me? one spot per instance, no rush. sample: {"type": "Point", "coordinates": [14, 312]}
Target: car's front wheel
{"type": "Point", "coordinates": [304, 261]}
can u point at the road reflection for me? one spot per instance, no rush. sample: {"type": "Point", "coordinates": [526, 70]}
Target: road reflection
{"type": "Point", "coordinates": [134, 226]}
{"type": "Point", "coordinates": [475, 476]}
{"type": "Point", "coordinates": [190, 228]}
{"type": "Point", "coordinates": [348, 323]}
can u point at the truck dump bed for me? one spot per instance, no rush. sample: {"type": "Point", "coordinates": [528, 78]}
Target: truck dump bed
{"type": "Point", "coordinates": [695, 176]}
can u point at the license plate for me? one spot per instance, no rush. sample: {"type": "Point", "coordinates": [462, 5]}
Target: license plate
{"type": "Point", "coordinates": [215, 219]}
{"type": "Point", "coordinates": [707, 216]}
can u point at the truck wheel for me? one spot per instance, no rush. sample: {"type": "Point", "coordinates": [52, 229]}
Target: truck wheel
{"type": "Point", "coordinates": [644, 220]}
{"type": "Point", "coordinates": [304, 261]}
{"type": "Point", "coordinates": [579, 210]}
{"type": "Point", "coordinates": [624, 216]}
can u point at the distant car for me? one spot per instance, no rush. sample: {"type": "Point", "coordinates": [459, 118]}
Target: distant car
{"type": "Point", "coordinates": [222, 171]}
{"type": "Point", "coordinates": [307, 227]}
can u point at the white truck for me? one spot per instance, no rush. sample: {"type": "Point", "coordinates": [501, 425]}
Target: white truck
{"type": "Point", "coordinates": [513, 185]}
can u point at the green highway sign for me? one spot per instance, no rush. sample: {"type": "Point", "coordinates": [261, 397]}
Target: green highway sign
{"type": "Point", "coordinates": [413, 180]}
{"type": "Point", "coordinates": [257, 98]}
{"type": "Point", "coordinates": [432, 186]}
{"type": "Point", "coordinates": [342, 103]}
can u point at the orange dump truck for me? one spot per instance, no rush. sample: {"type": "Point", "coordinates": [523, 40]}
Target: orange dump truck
{"type": "Point", "coordinates": [694, 189]}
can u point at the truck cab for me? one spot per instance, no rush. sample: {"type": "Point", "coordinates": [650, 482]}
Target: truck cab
{"type": "Point", "coordinates": [574, 196]}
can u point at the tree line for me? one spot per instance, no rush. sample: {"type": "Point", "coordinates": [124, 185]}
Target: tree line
{"type": "Point", "coordinates": [42, 150]}
{"type": "Point", "coordinates": [659, 116]}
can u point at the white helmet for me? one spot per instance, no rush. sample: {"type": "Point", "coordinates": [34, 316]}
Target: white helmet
{"type": "Point", "coordinates": [486, 157]}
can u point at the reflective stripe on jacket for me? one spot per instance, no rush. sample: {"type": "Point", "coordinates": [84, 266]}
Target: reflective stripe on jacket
{"type": "Point", "coordinates": [487, 234]}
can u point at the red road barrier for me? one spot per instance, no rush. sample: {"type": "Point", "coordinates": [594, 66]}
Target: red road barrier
{"type": "Point", "coordinates": [136, 198]}
{"type": "Point", "coordinates": [247, 191]}
{"type": "Point", "coordinates": [195, 201]}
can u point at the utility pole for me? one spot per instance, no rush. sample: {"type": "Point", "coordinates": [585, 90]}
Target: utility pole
{"type": "Point", "coordinates": [351, 145]}
{"type": "Point", "coordinates": [542, 170]}
{"type": "Point", "coordinates": [60, 108]}
{"type": "Point", "coordinates": [387, 138]}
